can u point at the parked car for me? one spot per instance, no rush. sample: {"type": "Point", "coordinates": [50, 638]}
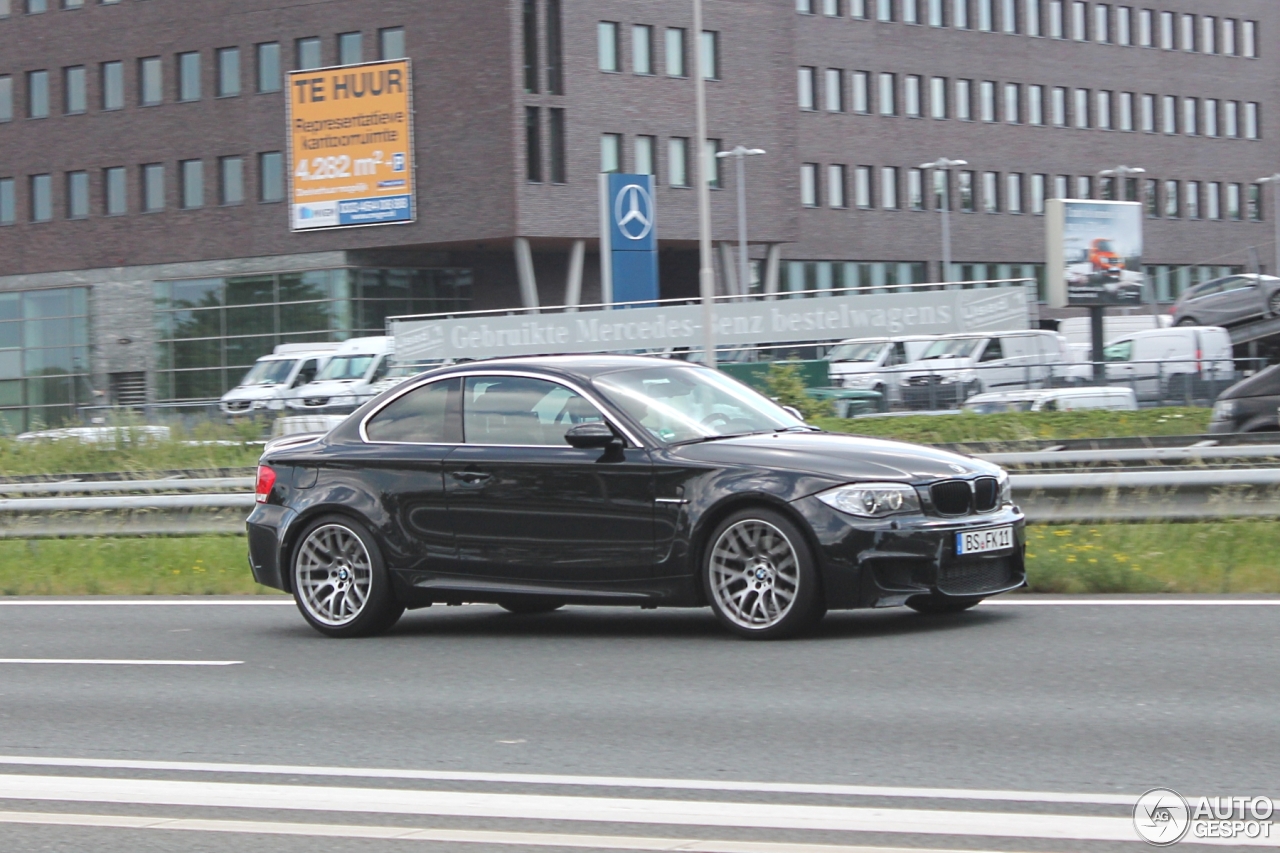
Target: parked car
{"type": "Point", "coordinates": [1171, 363]}
{"type": "Point", "coordinates": [870, 364]}
{"type": "Point", "coordinates": [347, 381]}
{"type": "Point", "coordinates": [619, 480]}
{"type": "Point", "coordinates": [1227, 301]}
{"type": "Point", "coordinates": [1052, 400]}
{"type": "Point", "coordinates": [1251, 405]}
{"type": "Point", "coordinates": [274, 376]}
{"type": "Point", "coordinates": [955, 367]}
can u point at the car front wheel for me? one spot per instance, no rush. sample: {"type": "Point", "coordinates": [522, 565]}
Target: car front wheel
{"type": "Point", "coordinates": [760, 576]}
{"type": "Point", "coordinates": [340, 583]}
{"type": "Point", "coordinates": [1187, 321]}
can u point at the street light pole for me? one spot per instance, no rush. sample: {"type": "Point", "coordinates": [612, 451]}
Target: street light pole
{"type": "Point", "coordinates": [1274, 180]}
{"type": "Point", "coordinates": [706, 274]}
{"type": "Point", "coordinates": [944, 165]}
{"type": "Point", "coordinates": [741, 152]}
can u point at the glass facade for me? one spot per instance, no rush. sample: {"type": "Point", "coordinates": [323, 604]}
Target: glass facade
{"type": "Point", "coordinates": [798, 276]}
{"type": "Point", "coordinates": [210, 331]}
{"type": "Point", "coordinates": [1172, 281]}
{"type": "Point", "coordinates": [44, 357]}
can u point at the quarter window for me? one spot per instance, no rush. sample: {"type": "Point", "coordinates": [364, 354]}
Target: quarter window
{"type": "Point", "coordinates": [425, 415]}
{"type": "Point", "coordinates": [516, 410]}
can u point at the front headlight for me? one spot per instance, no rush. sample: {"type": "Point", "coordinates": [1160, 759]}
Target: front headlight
{"type": "Point", "coordinates": [1006, 488]}
{"type": "Point", "coordinates": [964, 377]}
{"type": "Point", "coordinates": [872, 500]}
{"type": "Point", "coordinates": [858, 380]}
{"type": "Point", "coordinates": [1224, 410]}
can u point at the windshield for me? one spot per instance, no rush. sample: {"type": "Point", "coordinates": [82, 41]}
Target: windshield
{"type": "Point", "coordinates": [953, 348]}
{"type": "Point", "coordinates": [346, 367]}
{"type": "Point", "coordinates": [678, 404]}
{"type": "Point", "coordinates": [274, 372]}
{"type": "Point", "coordinates": [1104, 246]}
{"type": "Point", "coordinates": [995, 407]}
{"type": "Point", "coordinates": [856, 352]}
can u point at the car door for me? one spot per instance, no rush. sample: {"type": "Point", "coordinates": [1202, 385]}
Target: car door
{"type": "Point", "coordinates": [1207, 305]}
{"type": "Point", "coordinates": [1238, 301]}
{"type": "Point", "coordinates": [526, 508]}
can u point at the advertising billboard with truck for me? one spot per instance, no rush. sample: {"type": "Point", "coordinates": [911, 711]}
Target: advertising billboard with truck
{"type": "Point", "coordinates": [1094, 252]}
{"type": "Point", "coordinates": [350, 132]}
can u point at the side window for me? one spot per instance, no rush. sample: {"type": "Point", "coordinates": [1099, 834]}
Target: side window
{"type": "Point", "coordinates": [899, 354]}
{"type": "Point", "coordinates": [426, 415]}
{"type": "Point", "coordinates": [306, 374]}
{"type": "Point", "coordinates": [1051, 406]}
{"type": "Point", "coordinates": [993, 352]}
{"type": "Point", "coordinates": [521, 411]}
{"type": "Point", "coordinates": [1118, 351]}
{"type": "Point", "coordinates": [383, 366]}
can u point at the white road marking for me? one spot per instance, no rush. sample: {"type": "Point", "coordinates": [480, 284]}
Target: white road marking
{"type": "Point", "coordinates": [1132, 602]}
{"type": "Point", "coordinates": [1126, 800]}
{"type": "Point", "coordinates": [405, 833]}
{"type": "Point", "coordinates": [562, 808]}
{"type": "Point", "coordinates": [98, 662]}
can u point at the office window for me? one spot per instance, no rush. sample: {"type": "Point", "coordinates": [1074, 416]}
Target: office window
{"type": "Point", "coordinates": [1009, 16]}
{"type": "Point", "coordinates": [1213, 200]}
{"type": "Point", "coordinates": [189, 76]}
{"type": "Point", "coordinates": [1166, 31]}
{"type": "Point", "coordinates": [115, 200]}
{"type": "Point", "coordinates": [1210, 116]}
{"type": "Point", "coordinates": [1151, 197]}
{"type": "Point", "coordinates": [674, 45]}
{"type": "Point", "coordinates": [1189, 32]}
{"type": "Point", "coordinates": [1038, 194]}
{"type": "Point", "coordinates": [1231, 119]}
{"type": "Point", "coordinates": [269, 67]}
{"type": "Point", "coordinates": [1124, 26]}
{"type": "Point", "coordinates": [888, 94]}
{"type": "Point", "coordinates": [150, 82]}
{"type": "Point", "coordinates": [1233, 202]}
{"type": "Point", "coordinates": [1229, 36]}
{"type": "Point", "coordinates": [960, 14]}
{"type": "Point", "coordinates": [555, 49]}
{"type": "Point", "coordinates": [861, 94]}
{"type": "Point", "coordinates": [1059, 106]}
{"type": "Point", "coordinates": [559, 157]}
{"type": "Point", "coordinates": [938, 97]}
{"type": "Point", "coordinates": [987, 100]}
{"type": "Point", "coordinates": [712, 163]}
{"type": "Point", "coordinates": [835, 186]}
{"type": "Point", "coordinates": [228, 72]}
{"type": "Point", "coordinates": [77, 195]}
{"type": "Point", "coordinates": [915, 189]}
{"type": "Point", "coordinates": [910, 12]}
{"type": "Point", "coordinates": [351, 48]}
{"type": "Point", "coordinates": [964, 100]}
{"type": "Point", "coordinates": [1251, 126]}
{"type": "Point", "coordinates": [833, 90]}
{"type": "Point", "coordinates": [6, 98]}
{"type": "Point", "coordinates": [1084, 187]}
{"type": "Point", "coordinates": [41, 198]}
{"type": "Point", "coordinates": [964, 187]}
{"type": "Point", "coordinates": [857, 8]}
{"type": "Point", "coordinates": [809, 184]}
{"type": "Point", "coordinates": [941, 189]}
{"type": "Point", "coordinates": [192, 172]}
{"type": "Point", "coordinates": [1035, 105]}
{"type": "Point", "coordinates": [991, 192]}
{"type": "Point", "coordinates": [1062, 186]}
{"type": "Point", "coordinates": [678, 161]}
{"type": "Point", "coordinates": [1192, 193]}
{"type": "Point", "coordinates": [642, 49]}
{"type": "Point", "coordinates": [911, 96]}
{"type": "Point", "coordinates": [1249, 39]}
{"type": "Point", "coordinates": [529, 44]}
{"type": "Point", "coordinates": [1172, 209]}
{"type": "Point", "coordinates": [1057, 20]}
{"type": "Point", "coordinates": [1255, 203]}
{"type": "Point", "coordinates": [1126, 112]}
{"type": "Point", "coordinates": [152, 187]}
{"type": "Point", "coordinates": [645, 154]}
{"type": "Point", "coordinates": [831, 8]}
{"type": "Point", "coordinates": [1190, 121]}
{"type": "Point", "coordinates": [884, 10]}
{"type": "Point", "coordinates": [608, 51]}
{"type": "Point", "coordinates": [611, 152]}
{"type": "Point", "coordinates": [807, 83]}
{"type": "Point", "coordinates": [1079, 20]}
{"type": "Point", "coordinates": [1148, 113]}
{"type": "Point", "coordinates": [73, 4]}
{"type": "Point", "coordinates": [1169, 113]}
{"type": "Point", "coordinates": [1208, 34]}
{"type": "Point", "coordinates": [230, 180]}
{"type": "Point", "coordinates": [889, 188]}
{"type": "Point", "coordinates": [271, 176]}
{"type": "Point", "coordinates": [73, 90]}
{"type": "Point", "coordinates": [1012, 107]}
{"type": "Point", "coordinates": [533, 144]}
{"type": "Point", "coordinates": [937, 16]}
{"type": "Point", "coordinates": [1146, 28]}
{"type": "Point", "coordinates": [307, 53]}
{"type": "Point", "coordinates": [1102, 110]}
{"type": "Point", "coordinates": [1032, 14]}
{"type": "Point", "coordinates": [862, 187]}
{"type": "Point", "coordinates": [1013, 192]}
{"type": "Point", "coordinates": [391, 43]}
{"type": "Point", "coordinates": [37, 94]}
{"type": "Point", "coordinates": [8, 204]}
{"type": "Point", "coordinates": [36, 7]}
{"type": "Point", "coordinates": [986, 16]}
{"type": "Point", "coordinates": [710, 55]}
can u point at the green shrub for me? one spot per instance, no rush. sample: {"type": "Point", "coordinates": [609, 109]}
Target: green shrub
{"type": "Point", "coordinates": [785, 385]}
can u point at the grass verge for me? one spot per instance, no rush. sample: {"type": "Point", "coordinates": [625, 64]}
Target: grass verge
{"type": "Point", "coordinates": [208, 447]}
{"type": "Point", "coordinates": [1217, 557]}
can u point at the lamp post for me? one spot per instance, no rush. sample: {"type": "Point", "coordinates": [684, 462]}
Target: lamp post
{"type": "Point", "coordinates": [1121, 173]}
{"type": "Point", "coordinates": [706, 274]}
{"type": "Point", "coordinates": [1275, 181]}
{"type": "Point", "coordinates": [741, 152]}
{"type": "Point", "coordinates": [944, 165]}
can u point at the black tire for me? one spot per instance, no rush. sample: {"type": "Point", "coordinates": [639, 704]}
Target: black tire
{"type": "Point", "coordinates": [1273, 304]}
{"type": "Point", "coordinates": [937, 606]}
{"type": "Point", "coordinates": [783, 565]}
{"type": "Point", "coordinates": [1188, 321]}
{"type": "Point", "coordinates": [530, 606]}
{"type": "Point", "coordinates": [373, 614]}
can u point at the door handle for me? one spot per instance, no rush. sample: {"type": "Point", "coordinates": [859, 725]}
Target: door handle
{"type": "Point", "coordinates": [471, 478]}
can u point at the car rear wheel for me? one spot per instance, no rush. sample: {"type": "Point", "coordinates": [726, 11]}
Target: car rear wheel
{"type": "Point", "coordinates": [1273, 304]}
{"type": "Point", "coordinates": [340, 583]}
{"type": "Point", "coordinates": [760, 576]}
{"type": "Point", "coordinates": [936, 606]}
{"type": "Point", "coordinates": [1188, 321]}
{"type": "Point", "coordinates": [530, 606]}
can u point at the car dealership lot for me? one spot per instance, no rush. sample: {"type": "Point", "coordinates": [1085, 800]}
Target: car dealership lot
{"type": "Point", "coordinates": [1027, 724]}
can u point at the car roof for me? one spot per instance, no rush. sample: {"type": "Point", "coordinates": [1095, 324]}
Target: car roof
{"type": "Point", "coordinates": [582, 366]}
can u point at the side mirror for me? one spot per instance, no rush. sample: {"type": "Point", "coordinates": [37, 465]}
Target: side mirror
{"type": "Point", "coordinates": [587, 436]}
{"type": "Point", "coordinates": [794, 412]}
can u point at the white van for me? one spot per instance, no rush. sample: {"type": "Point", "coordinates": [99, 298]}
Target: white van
{"type": "Point", "coordinates": [1168, 362]}
{"type": "Point", "coordinates": [274, 376]}
{"type": "Point", "coordinates": [1077, 330]}
{"type": "Point", "coordinates": [347, 381]}
{"type": "Point", "coordinates": [955, 367]}
{"type": "Point", "coordinates": [868, 364]}
{"type": "Point", "coordinates": [1053, 400]}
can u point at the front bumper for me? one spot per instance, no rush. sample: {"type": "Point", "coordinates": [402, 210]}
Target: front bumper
{"type": "Point", "coordinates": [885, 562]}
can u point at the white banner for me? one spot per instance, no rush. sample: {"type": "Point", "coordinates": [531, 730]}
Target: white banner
{"type": "Point", "coordinates": [871, 315]}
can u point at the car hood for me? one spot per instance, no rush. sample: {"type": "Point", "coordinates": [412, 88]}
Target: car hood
{"type": "Point", "coordinates": [1264, 383]}
{"type": "Point", "coordinates": [330, 388]}
{"type": "Point", "coordinates": [855, 367]}
{"type": "Point", "coordinates": [934, 365]}
{"type": "Point", "coordinates": [842, 458]}
{"type": "Point", "coordinates": [252, 392]}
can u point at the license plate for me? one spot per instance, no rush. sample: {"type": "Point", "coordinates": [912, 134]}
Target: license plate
{"type": "Point", "coordinates": [984, 541]}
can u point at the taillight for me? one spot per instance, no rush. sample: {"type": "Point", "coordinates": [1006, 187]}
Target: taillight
{"type": "Point", "coordinates": [266, 480]}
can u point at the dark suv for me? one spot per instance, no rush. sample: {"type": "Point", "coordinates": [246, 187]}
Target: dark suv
{"type": "Point", "coordinates": [1250, 405]}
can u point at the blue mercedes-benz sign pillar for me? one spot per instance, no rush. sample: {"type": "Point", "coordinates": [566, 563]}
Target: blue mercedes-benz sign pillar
{"type": "Point", "coordinates": [632, 237]}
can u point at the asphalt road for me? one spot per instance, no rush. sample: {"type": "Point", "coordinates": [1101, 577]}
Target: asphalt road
{"type": "Point", "coordinates": [1025, 702]}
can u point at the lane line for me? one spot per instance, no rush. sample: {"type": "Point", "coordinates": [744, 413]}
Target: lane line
{"type": "Point", "coordinates": [405, 833]}
{"type": "Point", "coordinates": [1134, 602]}
{"type": "Point", "coordinates": [563, 808]}
{"type": "Point", "coordinates": [100, 662]}
{"type": "Point", "coordinates": [1126, 800]}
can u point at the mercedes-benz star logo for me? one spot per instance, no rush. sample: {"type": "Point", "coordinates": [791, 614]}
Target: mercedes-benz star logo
{"type": "Point", "coordinates": [1162, 817]}
{"type": "Point", "coordinates": [637, 220]}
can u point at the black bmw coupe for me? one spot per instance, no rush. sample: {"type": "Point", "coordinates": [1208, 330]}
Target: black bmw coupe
{"type": "Point", "coordinates": [534, 483]}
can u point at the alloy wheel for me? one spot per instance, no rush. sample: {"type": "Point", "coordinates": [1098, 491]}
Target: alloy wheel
{"type": "Point", "coordinates": [755, 574]}
{"type": "Point", "coordinates": [1273, 304]}
{"type": "Point", "coordinates": [333, 575]}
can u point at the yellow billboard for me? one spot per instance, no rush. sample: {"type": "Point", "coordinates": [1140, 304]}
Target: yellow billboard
{"type": "Point", "coordinates": [351, 146]}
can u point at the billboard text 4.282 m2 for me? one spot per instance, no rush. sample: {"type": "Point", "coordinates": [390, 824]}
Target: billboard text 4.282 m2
{"type": "Point", "coordinates": [351, 146]}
